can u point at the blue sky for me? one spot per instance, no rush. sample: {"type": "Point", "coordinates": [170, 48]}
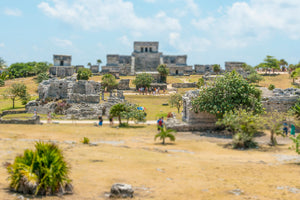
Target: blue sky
{"type": "Point", "coordinates": [209, 32]}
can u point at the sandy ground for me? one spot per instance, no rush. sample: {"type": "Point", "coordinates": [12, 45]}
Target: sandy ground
{"type": "Point", "coordinates": [196, 166]}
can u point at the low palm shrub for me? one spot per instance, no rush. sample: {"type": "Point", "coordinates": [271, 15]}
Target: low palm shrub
{"type": "Point", "coordinates": [42, 171]}
{"type": "Point", "coordinates": [85, 140]}
{"type": "Point", "coordinates": [165, 133]}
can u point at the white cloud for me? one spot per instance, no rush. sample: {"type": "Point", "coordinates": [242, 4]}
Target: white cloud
{"type": "Point", "coordinates": [187, 45]}
{"type": "Point", "coordinates": [107, 15]}
{"type": "Point", "coordinates": [150, 1]}
{"type": "Point", "coordinates": [125, 41]}
{"type": "Point", "coordinates": [244, 23]}
{"type": "Point", "coordinates": [13, 12]}
{"type": "Point", "coordinates": [2, 44]}
{"type": "Point", "coordinates": [62, 42]}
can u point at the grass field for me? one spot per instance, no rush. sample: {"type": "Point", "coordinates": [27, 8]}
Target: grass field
{"type": "Point", "coordinates": [194, 167]}
{"type": "Point", "coordinates": [280, 81]}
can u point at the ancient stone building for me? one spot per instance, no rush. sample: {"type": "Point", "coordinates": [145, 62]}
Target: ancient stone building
{"type": "Point", "coordinates": [202, 69]}
{"type": "Point", "coordinates": [237, 66]}
{"type": "Point", "coordinates": [62, 66]}
{"type": "Point", "coordinates": [94, 69]}
{"type": "Point", "coordinates": [146, 58]}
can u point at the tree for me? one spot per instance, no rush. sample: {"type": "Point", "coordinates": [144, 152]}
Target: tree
{"type": "Point", "coordinates": [109, 82]}
{"type": "Point", "coordinates": [273, 121]}
{"type": "Point", "coordinates": [296, 142]}
{"type": "Point", "coordinates": [163, 71]}
{"type": "Point", "coordinates": [271, 63]}
{"type": "Point", "coordinates": [143, 80]}
{"type": "Point", "coordinates": [176, 101]}
{"type": "Point", "coordinates": [283, 64]}
{"type": "Point", "coordinates": [295, 74]}
{"type": "Point", "coordinates": [254, 78]}
{"type": "Point", "coordinates": [89, 64]}
{"type": "Point", "coordinates": [127, 111]}
{"type": "Point", "coordinates": [17, 91]}
{"type": "Point", "coordinates": [99, 61]}
{"type": "Point", "coordinates": [216, 68]}
{"type": "Point", "coordinates": [227, 93]}
{"type": "Point", "coordinates": [165, 133]}
{"type": "Point", "coordinates": [2, 63]}
{"type": "Point", "coordinates": [84, 74]}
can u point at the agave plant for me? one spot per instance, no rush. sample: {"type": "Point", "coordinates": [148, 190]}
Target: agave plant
{"type": "Point", "coordinates": [165, 133]}
{"type": "Point", "coordinates": [42, 171]}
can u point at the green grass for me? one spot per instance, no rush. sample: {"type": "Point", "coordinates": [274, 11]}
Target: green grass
{"type": "Point", "coordinates": [153, 104]}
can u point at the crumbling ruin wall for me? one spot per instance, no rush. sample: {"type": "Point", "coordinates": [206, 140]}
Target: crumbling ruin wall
{"type": "Point", "coordinates": [124, 84]}
{"type": "Point", "coordinates": [71, 90]}
{"type": "Point", "coordinates": [184, 85]}
{"type": "Point", "coordinates": [281, 100]}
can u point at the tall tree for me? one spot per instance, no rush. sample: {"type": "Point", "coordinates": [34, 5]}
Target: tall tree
{"type": "Point", "coordinates": [271, 63]}
{"type": "Point", "coordinates": [2, 63]}
{"type": "Point", "coordinates": [283, 64]}
{"type": "Point", "coordinates": [163, 71]}
{"type": "Point", "coordinates": [99, 61]}
{"type": "Point", "coordinates": [216, 68]}
{"type": "Point", "coordinates": [176, 101]}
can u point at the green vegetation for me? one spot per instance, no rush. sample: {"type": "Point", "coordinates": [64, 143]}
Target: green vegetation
{"type": "Point", "coordinates": [228, 93]}
{"type": "Point", "coordinates": [216, 68]}
{"type": "Point", "coordinates": [2, 83]}
{"type": "Point", "coordinates": [42, 77]}
{"type": "Point", "coordinates": [17, 91]}
{"type": "Point", "coordinates": [176, 101]}
{"type": "Point", "coordinates": [85, 140]}
{"type": "Point", "coordinates": [270, 63]}
{"type": "Point", "coordinates": [43, 171]}
{"type": "Point", "coordinates": [273, 120]}
{"type": "Point", "coordinates": [296, 142]}
{"type": "Point", "coordinates": [109, 82]}
{"type": "Point", "coordinates": [243, 125]}
{"type": "Point", "coordinates": [271, 87]}
{"type": "Point", "coordinates": [2, 63]}
{"type": "Point", "coordinates": [27, 69]}
{"type": "Point", "coordinates": [163, 71]}
{"type": "Point", "coordinates": [200, 82]}
{"type": "Point", "coordinates": [165, 133]}
{"type": "Point", "coordinates": [143, 80]}
{"type": "Point", "coordinates": [84, 74]}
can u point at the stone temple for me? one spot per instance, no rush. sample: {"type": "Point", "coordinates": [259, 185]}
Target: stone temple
{"type": "Point", "coordinates": [146, 58]}
{"type": "Point", "coordinates": [62, 66]}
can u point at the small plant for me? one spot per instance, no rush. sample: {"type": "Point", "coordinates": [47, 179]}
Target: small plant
{"type": "Point", "coordinates": [200, 83]}
{"type": "Point", "coordinates": [244, 141]}
{"type": "Point", "coordinates": [43, 171]}
{"type": "Point", "coordinates": [41, 77]}
{"type": "Point", "coordinates": [296, 142]}
{"type": "Point", "coordinates": [85, 140]}
{"type": "Point", "coordinates": [165, 133]}
{"type": "Point", "coordinates": [271, 87]}
{"type": "Point", "coordinates": [2, 83]}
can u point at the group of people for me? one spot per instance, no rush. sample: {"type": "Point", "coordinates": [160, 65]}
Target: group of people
{"type": "Point", "coordinates": [152, 90]}
{"type": "Point", "coordinates": [286, 129]}
{"type": "Point", "coordinates": [111, 120]}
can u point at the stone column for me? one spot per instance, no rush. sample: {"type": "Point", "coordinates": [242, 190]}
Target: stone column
{"type": "Point", "coordinates": [132, 71]}
{"type": "Point", "coordinates": [161, 60]}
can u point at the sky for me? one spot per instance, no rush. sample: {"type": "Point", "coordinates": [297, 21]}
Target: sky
{"type": "Point", "coordinates": [208, 32]}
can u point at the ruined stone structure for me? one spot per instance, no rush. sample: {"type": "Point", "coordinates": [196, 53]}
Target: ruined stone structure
{"type": "Point", "coordinates": [281, 100]}
{"type": "Point", "coordinates": [71, 90]}
{"type": "Point", "coordinates": [94, 69]}
{"type": "Point", "coordinates": [62, 66]}
{"type": "Point", "coordinates": [77, 67]}
{"type": "Point", "coordinates": [146, 58]}
{"type": "Point", "coordinates": [192, 121]}
{"type": "Point", "coordinates": [237, 66]}
{"type": "Point", "coordinates": [124, 84]}
{"type": "Point", "coordinates": [184, 85]}
{"type": "Point", "coordinates": [202, 69]}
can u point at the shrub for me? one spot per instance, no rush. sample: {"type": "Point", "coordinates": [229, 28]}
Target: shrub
{"type": "Point", "coordinates": [271, 87]}
{"type": "Point", "coordinates": [165, 133]}
{"type": "Point", "coordinates": [84, 74]}
{"type": "Point", "coordinates": [2, 83]}
{"type": "Point", "coordinates": [109, 82]}
{"type": "Point", "coordinates": [176, 101]}
{"type": "Point", "coordinates": [200, 83]}
{"type": "Point", "coordinates": [41, 77]}
{"type": "Point", "coordinates": [296, 142]}
{"type": "Point", "coordinates": [86, 140]}
{"type": "Point", "coordinates": [243, 141]}
{"type": "Point", "coordinates": [43, 171]}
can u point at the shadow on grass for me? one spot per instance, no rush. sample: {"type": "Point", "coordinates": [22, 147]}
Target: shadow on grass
{"type": "Point", "coordinates": [130, 126]}
{"type": "Point", "coordinates": [166, 144]}
{"type": "Point", "coordinates": [270, 74]}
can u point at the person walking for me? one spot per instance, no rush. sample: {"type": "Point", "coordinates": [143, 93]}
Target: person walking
{"type": "Point", "coordinates": [49, 120]}
{"type": "Point", "coordinates": [285, 129]}
{"type": "Point", "coordinates": [293, 130]}
{"type": "Point", "coordinates": [100, 120]}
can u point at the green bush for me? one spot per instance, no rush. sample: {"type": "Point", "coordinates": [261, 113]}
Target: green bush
{"type": "Point", "coordinates": [296, 142]}
{"type": "Point", "coordinates": [84, 74]}
{"type": "Point", "coordinates": [271, 87]}
{"type": "Point", "coordinates": [200, 83]}
{"type": "Point", "coordinates": [43, 171]}
{"type": "Point", "coordinates": [86, 140]}
{"type": "Point", "coordinates": [165, 133]}
{"type": "Point", "coordinates": [42, 76]}
{"type": "Point", "coordinates": [243, 141]}
{"type": "Point", "coordinates": [2, 83]}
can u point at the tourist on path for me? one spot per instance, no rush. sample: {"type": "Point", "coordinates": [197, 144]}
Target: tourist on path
{"type": "Point", "coordinates": [49, 118]}
{"type": "Point", "coordinates": [293, 130]}
{"type": "Point", "coordinates": [285, 129]}
{"type": "Point", "coordinates": [100, 120]}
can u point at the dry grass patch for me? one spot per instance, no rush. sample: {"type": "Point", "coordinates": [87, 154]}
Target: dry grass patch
{"type": "Point", "coordinates": [282, 81]}
{"type": "Point", "coordinates": [200, 168]}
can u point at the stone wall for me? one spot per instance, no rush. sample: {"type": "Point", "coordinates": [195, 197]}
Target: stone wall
{"type": "Point", "coordinates": [62, 60]}
{"type": "Point", "coordinates": [184, 85]}
{"type": "Point", "coordinates": [124, 84]}
{"type": "Point", "coordinates": [61, 71]}
{"type": "Point", "coordinates": [12, 112]}
{"type": "Point", "coordinates": [161, 86]}
{"type": "Point", "coordinates": [202, 69]}
{"type": "Point", "coordinates": [33, 120]}
{"type": "Point", "coordinates": [94, 69]}
{"type": "Point", "coordinates": [230, 66]}
{"type": "Point", "coordinates": [281, 100]}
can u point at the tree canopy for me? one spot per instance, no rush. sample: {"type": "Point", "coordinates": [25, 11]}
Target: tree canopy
{"type": "Point", "coordinates": [216, 68]}
{"type": "Point", "coordinates": [270, 63]}
{"type": "Point", "coordinates": [163, 71]}
{"type": "Point", "coordinates": [109, 82]}
{"type": "Point", "coordinates": [17, 91]}
{"type": "Point", "coordinates": [227, 93]}
{"type": "Point", "coordinates": [27, 69]}
{"type": "Point", "coordinates": [2, 63]}
{"type": "Point", "coordinates": [176, 101]}
{"type": "Point", "coordinates": [143, 80]}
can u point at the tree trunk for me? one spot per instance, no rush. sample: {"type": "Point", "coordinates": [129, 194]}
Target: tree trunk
{"type": "Point", "coordinates": [163, 141]}
{"type": "Point", "coordinates": [273, 139]}
{"type": "Point", "coordinates": [13, 103]}
{"type": "Point", "coordinates": [178, 109]}
{"type": "Point", "coordinates": [119, 119]}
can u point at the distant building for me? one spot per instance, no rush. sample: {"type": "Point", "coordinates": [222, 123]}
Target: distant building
{"type": "Point", "coordinates": [62, 66]}
{"type": "Point", "coordinates": [146, 58]}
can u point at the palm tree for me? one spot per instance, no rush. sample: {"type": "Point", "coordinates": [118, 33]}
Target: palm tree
{"type": "Point", "coordinates": [99, 61]}
{"type": "Point", "coordinates": [283, 64]}
{"type": "Point", "coordinates": [89, 64]}
{"type": "Point", "coordinates": [165, 133]}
